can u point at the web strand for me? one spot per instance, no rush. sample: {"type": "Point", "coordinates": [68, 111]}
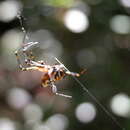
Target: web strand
{"type": "Point", "coordinates": [94, 98]}
{"type": "Point", "coordinates": [22, 27]}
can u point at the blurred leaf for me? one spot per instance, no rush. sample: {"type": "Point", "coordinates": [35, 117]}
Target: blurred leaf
{"type": "Point", "coordinates": [59, 3]}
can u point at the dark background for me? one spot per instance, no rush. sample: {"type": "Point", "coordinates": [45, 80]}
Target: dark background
{"type": "Point", "coordinates": [99, 49]}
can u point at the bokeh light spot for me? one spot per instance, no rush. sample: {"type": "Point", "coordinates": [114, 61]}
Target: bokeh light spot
{"type": "Point", "coordinates": [11, 40]}
{"type": "Point", "coordinates": [57, 122]}
{"type": "Point", "coordinates": [125, 3]}
{"type": "Point", "coordinates": [85, 112]}
{"type": "Point", "coordinates": [120, 24]}
{"type": "Point", "coordinates": [33, 113]}
{"type": "Point", "coordinates": [9, 10]}
{"type": "Point", "coordinates": [120, 105]}
{"type": "Point", "coordinates": [76, 21]}
{"type": "Point", "coordinates": [18, 98]}
{"type": "Point", "coordinates": [7, 124]}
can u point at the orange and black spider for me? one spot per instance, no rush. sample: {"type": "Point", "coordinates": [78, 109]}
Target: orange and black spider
{"type": "Point", "coordinates": [51, 73]}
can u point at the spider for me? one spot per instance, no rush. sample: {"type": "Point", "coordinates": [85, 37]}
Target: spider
{"type": "Point", "coordinates": [51, 73]}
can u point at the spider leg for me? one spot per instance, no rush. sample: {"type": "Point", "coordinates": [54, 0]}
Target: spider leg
{"type": "Point", "coordinates": [27, 50]}
{"type": "Point", "coordinates": [38, 63]}
{"type": "Point", "coordinates": [29, 68]}
{"type": "Point", "coordinates": [76, 74]}
{"type": "Point", "coordinates": [28, 57]}
{"type": "Point", "coordinates": [21, 66]}
{"type": "Point", "coordinates": [18, 60]}
{"type": "Point", "coordinates": [27, 46]}
{"type": "Point", "coordinates": [54, 90]}
{"type": "Point", "coordinates": [41, 62]}
{"type": "Point", "coordinates": [72, 74]}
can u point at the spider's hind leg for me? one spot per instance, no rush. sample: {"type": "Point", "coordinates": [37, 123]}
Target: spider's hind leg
{"type": "Point", "coordinates": [54, 90]}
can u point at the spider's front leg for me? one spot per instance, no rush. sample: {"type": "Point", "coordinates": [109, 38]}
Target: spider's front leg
{"type": "Point", "coordinates": [28, 54]}
{"type": "Point", "coordinates": [27, 60]}
{"type": "Point", "coordinates": [18, 60]}
{"type": "Point", "coordinates": [72, 74]}
{"type": "Point", "coordinates": [27, 50]}
{"type": "Point", "coordinates": [54, 90]}
{"type": "Point", "coordinates": [21, 66]}
{"type": "Point", "coordinates": [75, 74]}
